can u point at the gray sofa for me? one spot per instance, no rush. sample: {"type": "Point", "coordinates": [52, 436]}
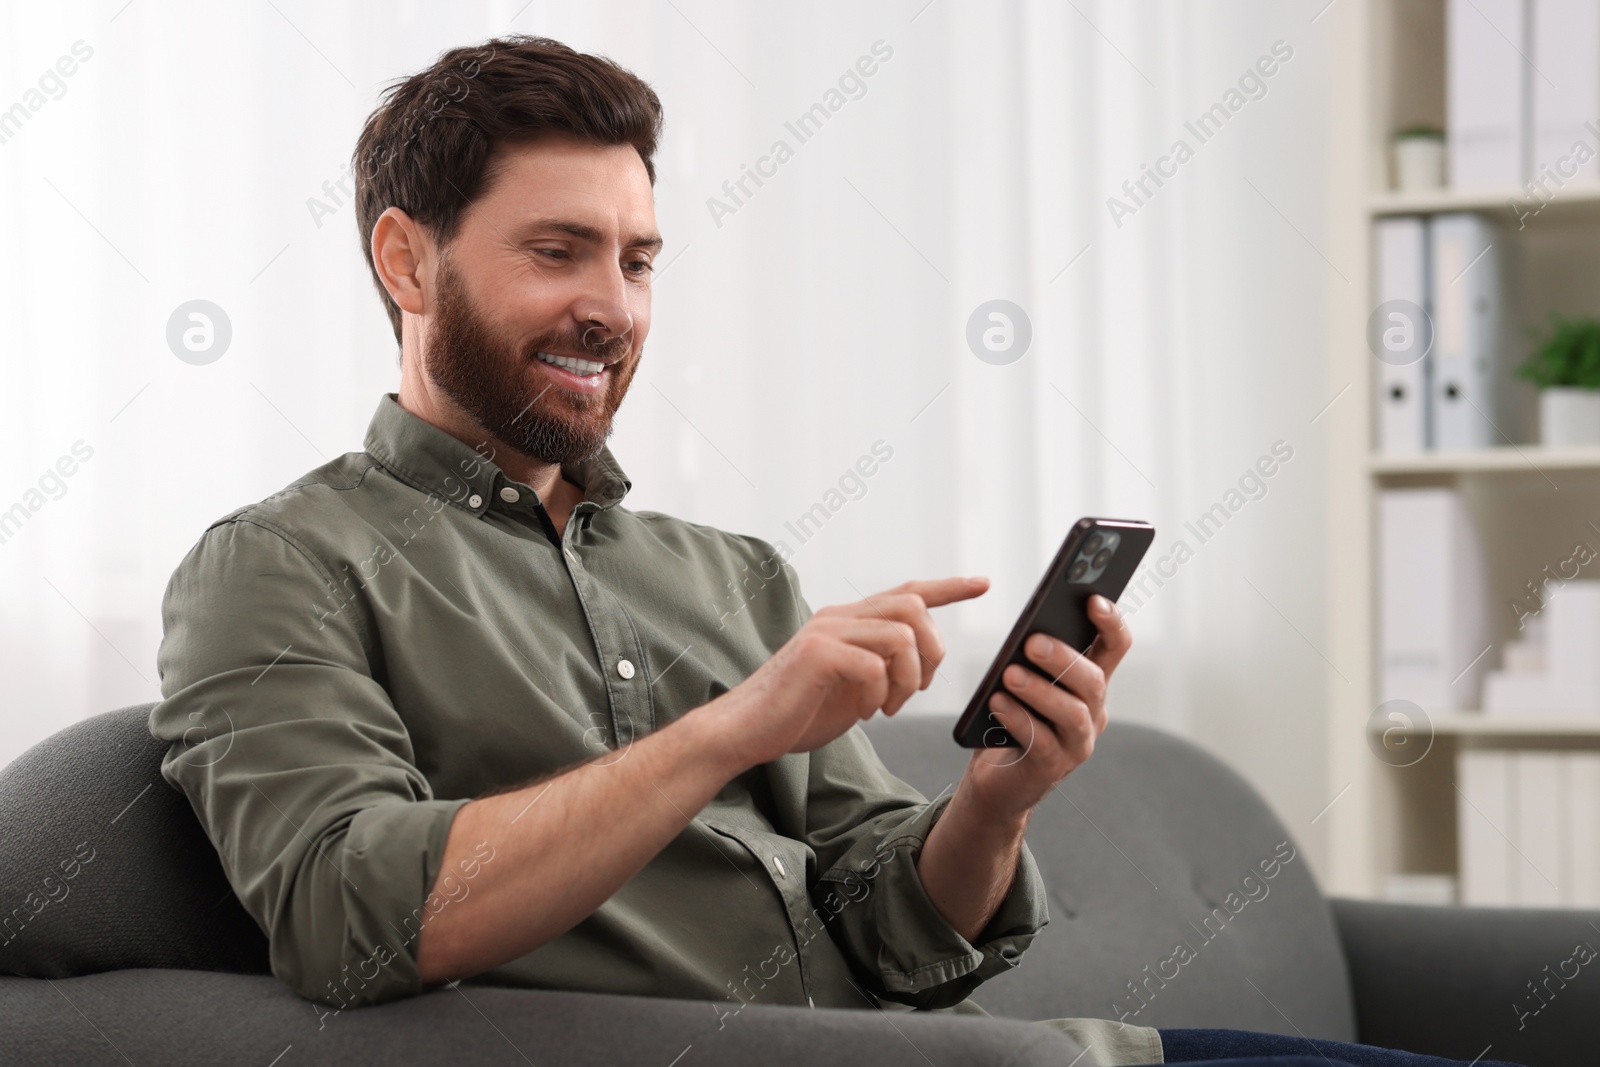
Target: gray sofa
{"type": "Point", "coordinates": [126, 944]}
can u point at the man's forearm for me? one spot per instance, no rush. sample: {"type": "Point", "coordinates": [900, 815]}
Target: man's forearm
{"type": "Point", "coordinates": [968, 863]}
{"type": "Point", "coordinates": [563, 846]}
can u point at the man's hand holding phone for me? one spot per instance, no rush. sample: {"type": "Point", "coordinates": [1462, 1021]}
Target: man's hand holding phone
{"type": "Point", "coordinates": [851, 660]}
{"type": "Point", "coordinates": [970, 857]}
{"type": "Point", "coordinates": [1056, 719]}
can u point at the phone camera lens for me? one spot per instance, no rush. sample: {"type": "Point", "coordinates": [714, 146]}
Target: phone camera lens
{"type": "Point", "coordinates": [1101, 558]}
{"type": "Point", "coordinates": [1091, 546]}
{"type": "Point", "coordinates": [1080, 567]}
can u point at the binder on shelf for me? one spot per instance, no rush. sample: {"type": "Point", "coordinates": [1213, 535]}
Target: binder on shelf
{"type": "Point", "coordinates": [1580, 873]}
{"type": "Point", "coordinates": [1467, 321]}
{"type": "Point", "coordinates": [1484, 826]}
{"type": "Point", "coordinates": [1528, 827]}
{"type": "Point", "coordinates": [1402, 274]}
{"type": "Point", "coordinates": [1540, 810]}
{"type": "Point", "coordinates": [1486, 91]}
{"type": "Point", "coordinates": [1434, 628]}
{"type": "Point", "coordinates": [1564, 89]}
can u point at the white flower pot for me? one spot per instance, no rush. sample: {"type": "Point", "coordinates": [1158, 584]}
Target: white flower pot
{"type": "Point", "coordinates": [1418, 163]}
{"type": "Point", "coordinates": [1569, 416]}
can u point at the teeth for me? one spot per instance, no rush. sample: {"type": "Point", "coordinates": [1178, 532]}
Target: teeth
{"type": "Point", "coordinates": [581, 367]}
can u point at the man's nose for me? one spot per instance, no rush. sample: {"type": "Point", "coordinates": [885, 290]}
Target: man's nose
{"type": "Point", "coordinates": [603, 320]}
{"type": "Point", "coordinates": [601, 313]}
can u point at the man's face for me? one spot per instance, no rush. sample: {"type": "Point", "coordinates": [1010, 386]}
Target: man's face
{"type": "Point", "coordinates": [552, 262]}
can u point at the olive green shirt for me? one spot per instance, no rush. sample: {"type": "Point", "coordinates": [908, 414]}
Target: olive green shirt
{"type": "Point", "coordinates": [349, 661]}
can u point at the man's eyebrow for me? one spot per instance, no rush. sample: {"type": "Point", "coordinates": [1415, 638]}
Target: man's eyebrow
{"type": "Point", "coordinates": [585, 232]}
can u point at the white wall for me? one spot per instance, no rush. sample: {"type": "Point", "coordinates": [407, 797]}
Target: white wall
{"type": "Point", "coordinates": [822, 315]}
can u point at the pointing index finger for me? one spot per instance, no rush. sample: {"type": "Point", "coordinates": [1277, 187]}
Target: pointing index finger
{"type": "Point", "coordinates": [937, 591]}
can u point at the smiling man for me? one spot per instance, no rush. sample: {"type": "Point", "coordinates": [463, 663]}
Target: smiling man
{"type": "Point", "coordinates": [448, 710]}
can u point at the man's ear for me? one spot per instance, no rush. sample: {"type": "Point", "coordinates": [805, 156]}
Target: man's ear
{"type": "Point", "coordinates": [405, 257]}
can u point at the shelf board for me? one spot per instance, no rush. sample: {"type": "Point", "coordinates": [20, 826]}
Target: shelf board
{"type": "Point", "coordinates": [1529, 459]}
{"type": "Point", "coordinates": [1481, 724]}
{"type": "Point", "coordinates": [1569, 202]}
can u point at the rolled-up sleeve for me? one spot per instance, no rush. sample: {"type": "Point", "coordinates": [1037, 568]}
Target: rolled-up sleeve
{"type": "Point", "coordinates": [297, 763]}
{"type": "Point", "coordinates": [867, 828]}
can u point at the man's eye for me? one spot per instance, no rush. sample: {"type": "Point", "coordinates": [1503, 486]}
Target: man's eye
{"type": "Point", "coordinates": [552, 253]}
{"type": "Point", "coordinates": [641, 266]}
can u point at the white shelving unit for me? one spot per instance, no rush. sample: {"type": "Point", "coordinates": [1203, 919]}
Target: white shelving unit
{"type": "Point", "coordinates": [1476, 724]}
{"type": "Point", "coordinates": [1531, 504]}
{"type": "Point", "coordinates": [1573, 201]}
{"type": "Point", "coordinates": [1523, 459]}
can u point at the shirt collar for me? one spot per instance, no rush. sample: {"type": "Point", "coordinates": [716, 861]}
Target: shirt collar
{"type": "Point", "coordinates": [427, 458]}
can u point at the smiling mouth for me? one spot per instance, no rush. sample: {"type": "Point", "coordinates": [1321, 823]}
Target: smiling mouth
{"type": "Point", "coordinates": [583, 368]}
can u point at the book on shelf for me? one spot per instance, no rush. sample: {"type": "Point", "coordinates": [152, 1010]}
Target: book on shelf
{"type": "Point", "coordinates": [1539, 805]}
{"type": "Point", "coordinates": [1528, 828]}
{"type": "Point", "coordinates": [1564, 98]}
{"type": "Point", "coordinates": [1522, 95]}
{"type": "Point", "coordinates": [1484, 826]}
{"type": "Point", "coordinates": [1433, 613]}
{"type": "Point", "coordinates": [1486, 92]}
{"type": "Point", "coordinates": [1522, 92]}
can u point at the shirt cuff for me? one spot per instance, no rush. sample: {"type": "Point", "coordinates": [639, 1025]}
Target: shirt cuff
{"type": "Point", "coordinates": [920, 957]}
{"type": "Point", "coordinates": [391, 881]}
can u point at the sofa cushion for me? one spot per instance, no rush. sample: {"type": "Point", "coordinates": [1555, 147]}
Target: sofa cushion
{"type": "Point", "coordinates": [179, 1018]}
{"type": "Point", "coordinates": [1153, 844]}
{"type": "Point", "coordinates": [1507, 984]}
{"type": "Point", "coordinates": [104, 866]}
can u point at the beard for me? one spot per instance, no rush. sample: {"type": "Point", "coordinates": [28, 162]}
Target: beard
{"type": "Point", "coordinates": [488, 376]}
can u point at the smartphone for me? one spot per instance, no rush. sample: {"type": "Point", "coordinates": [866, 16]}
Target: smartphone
{"type": "Point", "coordinates": [1097, 556]}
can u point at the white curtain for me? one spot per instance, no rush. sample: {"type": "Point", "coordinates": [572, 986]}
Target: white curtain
{"type": "Point", "coordinates": [801, 323]}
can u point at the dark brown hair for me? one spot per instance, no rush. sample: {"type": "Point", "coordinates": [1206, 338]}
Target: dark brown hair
{"type": "Point", "coordinates": [432, 145]}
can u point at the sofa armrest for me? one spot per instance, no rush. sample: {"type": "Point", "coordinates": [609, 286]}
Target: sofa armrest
{"type": "Point", "coordinates": [1515, 984]}
{"type": "Point", "coordinates": [182, 1018]}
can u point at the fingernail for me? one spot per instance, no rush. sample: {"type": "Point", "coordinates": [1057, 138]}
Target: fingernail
{"type": "Point", "coordinates": [976, 579]}
{"type": "Point", "coordinates": [1040, 644]}
{"type": "Point", "coordinates": [1019, 677]}
{"type": "Point", "coordinates": [1103, 605]}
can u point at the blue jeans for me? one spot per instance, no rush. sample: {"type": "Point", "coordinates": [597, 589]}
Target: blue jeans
{"type": "Point", "coordinates": [1245, 1048]}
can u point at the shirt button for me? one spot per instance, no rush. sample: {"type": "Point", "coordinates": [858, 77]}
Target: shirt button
{"type": "Point", "coordinates": [777, 865]}
{"type": "Point", "coordinates": [510, 495]}
{"type": "Point", "coordinates": [625, 668]}
{"type": "Point", "coordinates": [474, 501]}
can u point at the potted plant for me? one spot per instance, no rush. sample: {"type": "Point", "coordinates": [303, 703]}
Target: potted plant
{"type": "Point", "coordinates": [1419, 158]}
{"type": "Point", "coordinates": [1566, 368]}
